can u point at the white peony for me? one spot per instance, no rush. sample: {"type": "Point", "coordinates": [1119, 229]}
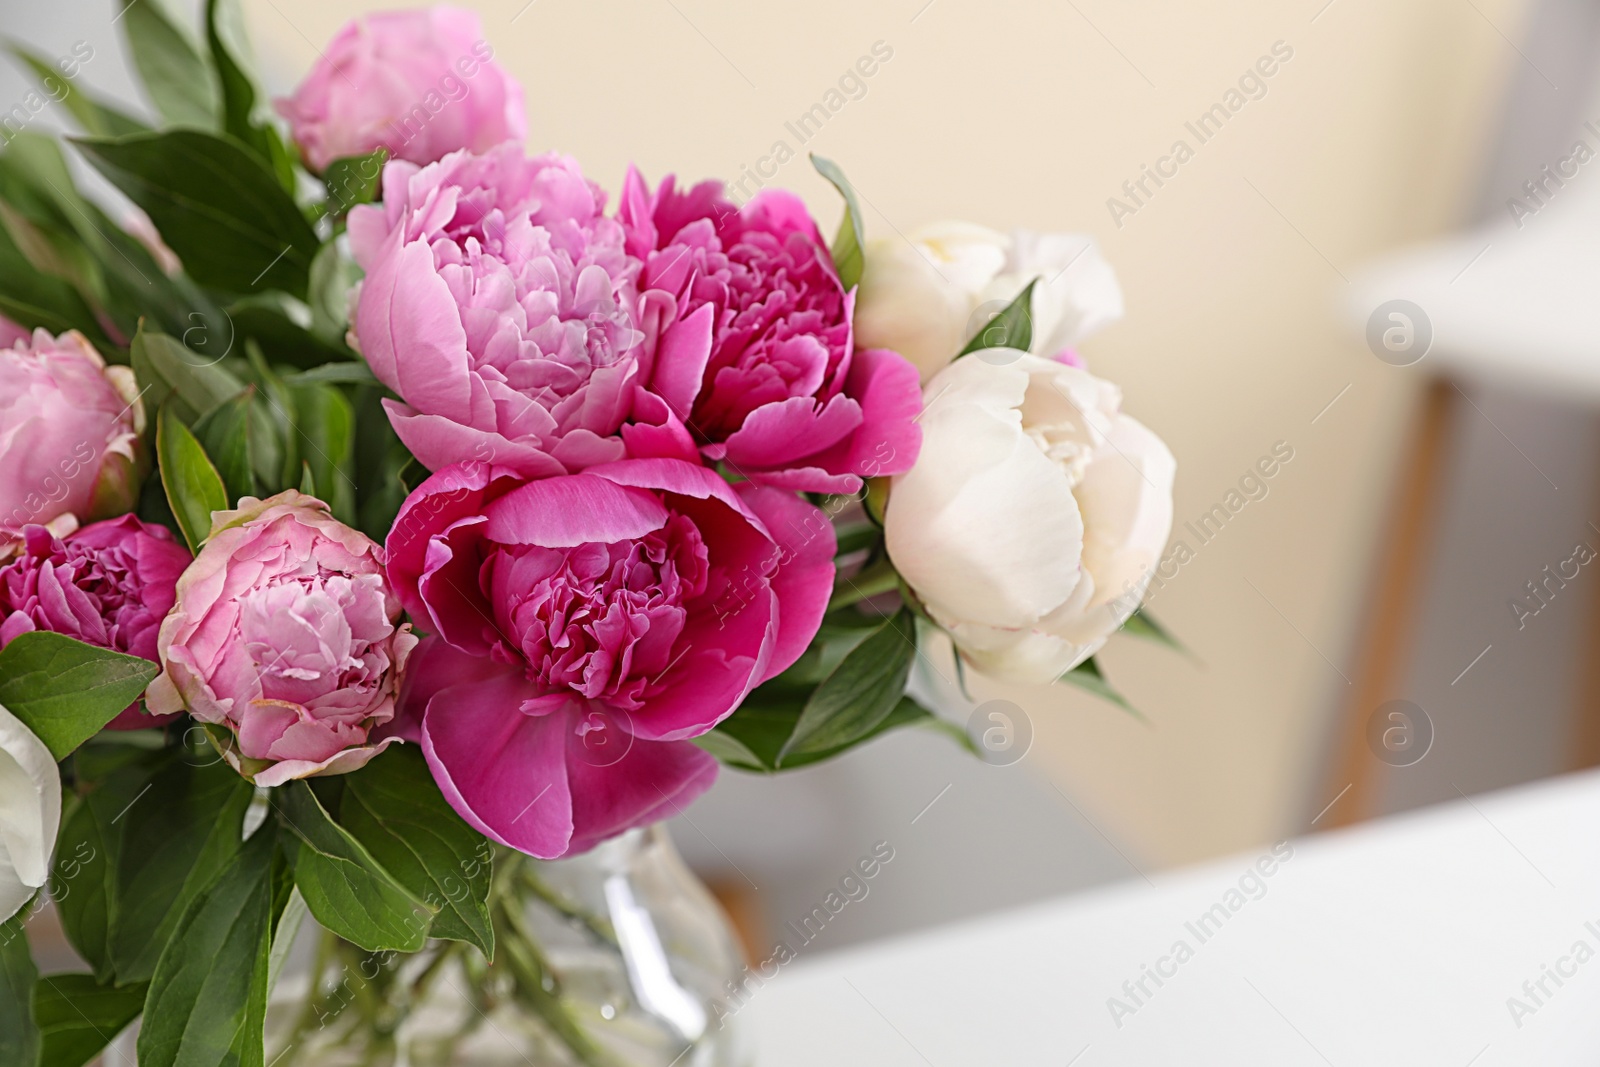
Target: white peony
{"type": "Point", "coordinates": [925, 298]}
{"type": "Point", "coordinates": [1034, 517]}
{"type": "Point", "coordinates": [30, 813]}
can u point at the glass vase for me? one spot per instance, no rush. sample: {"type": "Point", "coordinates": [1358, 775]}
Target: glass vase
{"type": "Point", "coordinates": [616, 958]}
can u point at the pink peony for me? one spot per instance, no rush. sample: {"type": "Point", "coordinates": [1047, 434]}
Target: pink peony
{"type": "Point", "coordinates": [109, 584]}
{"type": "Point", "coordinates": [11, 333]}
{"type": "Point", "coordinates": [757, 367]}
{"type": "Point", "coordinates": [418, 83]}
{"type": "Point", "coordinates": [586, 626]}
{"type": "Point", "coordinates": [69, 434]}
{"type": "Point", "coordinates": [286, 633]}
{"type": "Point", "coordinates": [498, 304]}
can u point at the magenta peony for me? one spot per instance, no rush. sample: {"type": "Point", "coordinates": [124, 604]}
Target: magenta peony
{"type": "Point", "coordinates": [757, 367]}
{"type": "Point", "coordinates": [421, 84]}
{"type": "Point", "coordinates": [109, 584]}
{"type": "Point", "coordinates": [286, 633]}
{"type": "Point", "coordinates": [498, 304]}
{"type": "Point", "coordinates": [586, 626]}
{"type": "Point", "coordinates": [69, 434]}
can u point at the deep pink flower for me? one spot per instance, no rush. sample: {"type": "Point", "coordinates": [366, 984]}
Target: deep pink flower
{"type": "Point", "coordinates": [499, 305]}
{"type": "Point", "coordinates": [756, 365]}
{"type": "Point", "coordinates": [69, 434]}
{"type": "Point", "coordinates": [420, 83]}
{"type": "Point", "coordinates": [109, 584]}
{"type": "Point", "coordinates": [585, 626]}
{"type": "Point", "coordinates": [286, 633]}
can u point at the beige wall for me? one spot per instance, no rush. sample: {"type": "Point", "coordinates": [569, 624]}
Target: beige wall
{"type": "Point", "coordinates": [1026, 114]}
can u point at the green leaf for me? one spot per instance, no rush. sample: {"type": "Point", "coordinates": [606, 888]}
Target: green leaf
{"type": "Point", "coordinates": [85, 907]}
{"type": "Point", "coordinates": [1012, 328]}
{"type": "Point", "coordinates": [1142, 624]}
{"type": "Point", "coordinates": [728, 747]}
{"type": "Point", "coordinates": [19, 1035]}
{"type": "Point", "coordinates": [97, 118]}
{"type": "Point", "coordinates": [194, 489]}
{"type": "Point", "coordinates": [333, 275]}
{"type": "Point", "coordinates": [175, 77]}
{"type": "Point", "coordinates": [334, 373]}
{"type": "Point", "coordinates": [34, 299]}
{"type": "Point", "coordinates": [353, 180]}
{"type": "Point", "coordinates": [224, 432]}
{"type": "Point", "coordinates": [1088, 677]}
{"type": "Point", "coordinates": [185, 828]}
{"type": "Point", "coordinates": [392, 807]}
{"type": "Point", "coordinates": [859, 537]}
{"type": "Point", "coordinates": [349, 892]}
{"type": "Point", "coordinates": [752, 737]}
{"type": "Point", "coordinates": [66, 691]}
{"type": "Point", "coordinates": [836, 637]}
{"type": "Point", "coordinates": [380, 457]}
{"type": "Point", "coordinates": [224, 40]}
{"type": "Point", "coordinates": [284, 934]}
{"type": "Point", "coordinates": [859, 694]}
{"type": "Point", "coordinates": [216, 204]}
{"type": "Point", "coordinates": [34, 208]}
{"type": "Point", "coordinates": [166, 367]}
{"type": "Point", "coordinates": [78, 1017]}
{"type": "Point", "coordinates": [278, 455]}
{"type": "Point", "coordinates": [207, 1001]}
{"type": "Point", "coordinates": [849, 244]}
{"type": "Point", "coordinates": [111, 269]}
{"type": "Point", "coordinates": [325, 423]}
{"type": "Point", "coordinates": [875, 580]}
{"type": "Point", "coordinates": [284, 341]}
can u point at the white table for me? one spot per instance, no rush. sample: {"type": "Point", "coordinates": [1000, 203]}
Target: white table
{"type": "Point", "coordinates": [1396, 942]}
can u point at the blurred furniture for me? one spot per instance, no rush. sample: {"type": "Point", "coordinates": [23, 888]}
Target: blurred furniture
{"type": "Point", "coordinates": [1512, 307]}
{"type": "Point", "coordinates": [1399, 942]}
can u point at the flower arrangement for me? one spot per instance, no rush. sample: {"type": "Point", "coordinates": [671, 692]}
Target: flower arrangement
{"type": "Point", "coordinates": [380, 490]}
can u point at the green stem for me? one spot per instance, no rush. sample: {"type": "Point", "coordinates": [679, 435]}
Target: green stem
{"type": "Point", "coordinates": [597, 927]}
{"type": "Point", "coordinates": [530, 970]}
{"type": "Point", "coordinates": [875, 580]}
{"type": "Point", "coordinates": [308, 1013]}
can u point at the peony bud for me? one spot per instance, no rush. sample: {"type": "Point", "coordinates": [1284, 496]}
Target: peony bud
{"type": "Point", "coordinates": [69, 434]}
{"type": "Point", "coordinates": [421, 84]}
{"type": "Point", "coordinates": [286, 634]}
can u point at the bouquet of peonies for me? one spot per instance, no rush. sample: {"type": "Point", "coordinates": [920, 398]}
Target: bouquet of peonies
{"type": "Point", "coordinates": [376, 489]}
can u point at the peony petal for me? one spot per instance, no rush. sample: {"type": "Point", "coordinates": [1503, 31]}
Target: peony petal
{"type": "Point", "coordinates": [504, 772]}
{"type": "Point", "coordinates": [574, 510]}
{"type": "Point", "coordinates": [343, 762]}
{"type": "Point", "coordinates": [654, 781]}
{"type": "Point", "coordinates": [437, 442]}
{"type": "Point", "coordinates": [1126, 501]}
{"type": "Point", "coordinates": [673, 476]}
{"type": "Point", "coordinates": [410, 330]}
{"type": "Point", "coordinates": [804, 580]}
{"type": "Point", "coordinates": [776, 435]}
{"type": "Point", "coordinates": [985, 525]}
{"type": "Point", "coordinates": [885, 385]}
{"type": "Point", "coordinates": [454, 493]}
{"type": "Point", "coordinates": [30, 813]}
{"type": "Point", "coordinates": [680, 361]}
{"type": "Point", "coordinates": [656, 433]}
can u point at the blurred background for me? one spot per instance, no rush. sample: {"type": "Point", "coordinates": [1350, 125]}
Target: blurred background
{"type": "Point", "coordinates": [1382, 159]}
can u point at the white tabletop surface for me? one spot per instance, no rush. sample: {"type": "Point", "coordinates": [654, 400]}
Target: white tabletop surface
{"type": "Point", "coordinates": [1398, 942]}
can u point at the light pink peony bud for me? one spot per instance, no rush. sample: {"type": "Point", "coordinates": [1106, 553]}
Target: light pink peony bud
{"type": "Point", "coordinates": [286, 633]}
{"type": "Point", "coordinates": [69, 435]}
{"type": "Point", "coordinates": [421, 84]}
